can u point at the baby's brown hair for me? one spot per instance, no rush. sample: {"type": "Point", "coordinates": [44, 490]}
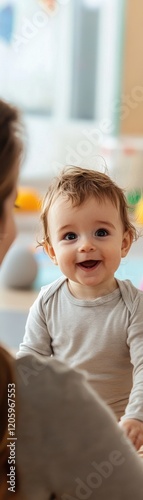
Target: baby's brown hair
{"type": "Point", "coordinates": [78, 184]}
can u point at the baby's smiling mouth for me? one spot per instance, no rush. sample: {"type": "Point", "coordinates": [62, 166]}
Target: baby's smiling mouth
{"type": "Point", "coordinates": [89, 264]}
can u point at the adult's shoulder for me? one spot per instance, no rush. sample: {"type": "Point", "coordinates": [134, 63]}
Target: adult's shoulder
{"type": "Point", "coordinates": [31, 371]}
{"type": "Point", "coordinates": [76, 433]}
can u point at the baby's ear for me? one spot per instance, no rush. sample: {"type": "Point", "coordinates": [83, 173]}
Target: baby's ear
{"type": "Point", "coordinates": [50, 251]}
{"type": "Point", "coordinates": [126, 243]}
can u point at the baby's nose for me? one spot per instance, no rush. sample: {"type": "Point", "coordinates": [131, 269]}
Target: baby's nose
{"type": "Point", "coordinates": [86, 245]}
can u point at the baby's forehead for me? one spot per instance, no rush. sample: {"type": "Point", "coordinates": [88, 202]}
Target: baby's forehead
{"type": "Point", "coordinates": [75, 201]}
{"type": "Point", "coordinates": [63, 203]}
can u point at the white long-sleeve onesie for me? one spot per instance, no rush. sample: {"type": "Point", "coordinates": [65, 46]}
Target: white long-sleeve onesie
{"type": "Point", "coordinates": [103, 336]}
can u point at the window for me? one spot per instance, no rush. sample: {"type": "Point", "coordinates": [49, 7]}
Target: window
{"type": "Point", "coordinates": [29, 54]}
{"type": "Point", "coordinates": [62, 67]}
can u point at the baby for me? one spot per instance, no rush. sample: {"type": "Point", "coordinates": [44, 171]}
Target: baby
{"type": "Point", "coordinates": [87, 317]}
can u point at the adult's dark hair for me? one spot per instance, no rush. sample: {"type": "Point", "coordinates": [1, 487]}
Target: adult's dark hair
{"type": "Point", "coordinates": [11, 148]}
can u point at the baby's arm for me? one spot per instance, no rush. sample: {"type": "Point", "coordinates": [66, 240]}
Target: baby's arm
{"type": "Point", "coordinates": [36, 339]}
{"type": "Point", "coordinates": [132, 421]}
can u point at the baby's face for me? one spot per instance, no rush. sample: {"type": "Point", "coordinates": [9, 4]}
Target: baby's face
{"type": "Point", "coordinates": [87, 242]}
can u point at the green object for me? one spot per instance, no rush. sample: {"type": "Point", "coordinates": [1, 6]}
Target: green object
{"type": "Point", "coordinates": [133, 197]}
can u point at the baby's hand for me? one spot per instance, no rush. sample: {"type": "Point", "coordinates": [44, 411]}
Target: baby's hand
{"type": "Point", "coordinates": [134, 430]}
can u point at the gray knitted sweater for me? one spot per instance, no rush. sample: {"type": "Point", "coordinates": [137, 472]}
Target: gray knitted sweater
{"type": "Point", "coordinates": [69, 445]}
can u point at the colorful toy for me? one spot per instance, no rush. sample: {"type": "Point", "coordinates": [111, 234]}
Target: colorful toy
{"type": "Point", "coordinates": [28, 200]}
{"type": "Point", "coordinates": [139, 212]}
{"type": "Point", "coordinates": [133, 197]}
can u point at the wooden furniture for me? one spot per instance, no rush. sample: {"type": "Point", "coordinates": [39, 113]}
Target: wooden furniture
{"type": "Point", "coordinates": [131, 108]}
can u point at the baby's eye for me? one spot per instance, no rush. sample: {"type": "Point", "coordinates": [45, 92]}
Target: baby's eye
{"type": "Point", "coordinates": [101, 232]}
{"type": "Point", "coordinates": [70, 236]}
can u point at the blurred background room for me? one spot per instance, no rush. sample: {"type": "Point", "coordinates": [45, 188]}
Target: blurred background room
{"type": "Point", "coordinates": [74, 68]}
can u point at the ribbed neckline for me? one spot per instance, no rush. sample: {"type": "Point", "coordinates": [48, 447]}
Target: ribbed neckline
{"type": "Point", "coordinates": [92, 302]}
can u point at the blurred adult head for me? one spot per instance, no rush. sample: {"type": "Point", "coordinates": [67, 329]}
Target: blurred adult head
{"type": "Point", "coordinates": [11, 153]}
